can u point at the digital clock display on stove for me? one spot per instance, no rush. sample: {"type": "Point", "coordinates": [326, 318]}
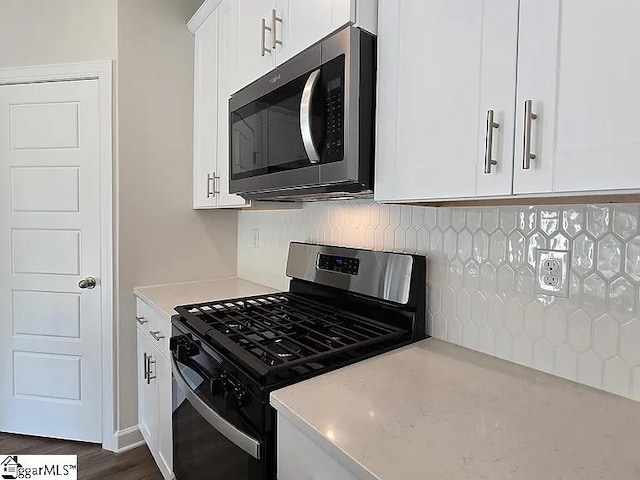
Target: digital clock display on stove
{"type": "Point", "coordinates": [333, 263]}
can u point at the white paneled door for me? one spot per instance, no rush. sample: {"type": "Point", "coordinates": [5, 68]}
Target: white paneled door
{"type": "Point", "coordinates": [50, 328]}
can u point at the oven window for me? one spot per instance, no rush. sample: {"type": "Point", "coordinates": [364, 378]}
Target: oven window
{"type": "Point", "coordinates": [200, 451]}
{"type": "Point", "coordinates": [266, 136]}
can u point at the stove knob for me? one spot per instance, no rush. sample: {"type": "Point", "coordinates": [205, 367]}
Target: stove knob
{"type": "Point", "coordinates": [176, 342]}
{"type": "Point", "coordinates": [218, 384]}
{"type": "Point", "coordinates": [235, 399]}
{"type": "Point", "coordinates": [183, 347]}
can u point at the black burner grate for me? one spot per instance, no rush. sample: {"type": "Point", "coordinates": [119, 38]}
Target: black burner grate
{"type": "Point", "coordinates": [285, 330]}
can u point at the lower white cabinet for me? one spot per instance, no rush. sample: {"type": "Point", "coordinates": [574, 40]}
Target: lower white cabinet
{"type": "Point", "coordinates": [300, 458]}
{"type": "Point", "coordinates": [154, 387]}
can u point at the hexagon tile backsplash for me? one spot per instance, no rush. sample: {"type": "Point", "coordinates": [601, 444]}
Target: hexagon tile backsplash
{"type": "Point", "coordinates": [481, 264]}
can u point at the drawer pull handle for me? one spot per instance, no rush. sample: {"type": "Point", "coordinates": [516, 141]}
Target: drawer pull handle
{"type": "Point", "coordinates": [157, 335]}
{"type": "Point", "coordinates": [141, 320]}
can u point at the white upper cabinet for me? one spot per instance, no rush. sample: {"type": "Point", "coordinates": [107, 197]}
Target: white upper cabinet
{"type": "Point", "coordinates": [215, 77]}
{"type": "Point", "coordinates": [443, 64]}
{"type": "Point", "coordinates": [227, 83]}
{"type": "Point", "coordinates": [205, 113]}
{"type": "Point", "coordinates": [579, 64]}
{"type": "Point", "coordinates": [560, 79]}
{"type": "Point", "coordinates": [256, 55]}
{"type": "Point", "coordinates": [308, 22]}
{"type": "Point", "coordinates": [270, 32]}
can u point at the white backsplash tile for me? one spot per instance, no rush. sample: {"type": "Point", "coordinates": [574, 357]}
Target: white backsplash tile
{"type": "Point", "coordinates": [481, 268]}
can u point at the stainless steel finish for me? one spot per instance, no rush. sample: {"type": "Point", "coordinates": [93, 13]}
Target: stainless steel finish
{"type": "Point", "coordinates": [150, 377]}
{"type": "Point", "coordinates": [87, 283]}
{"type": "Point", "coordinates": [238, 437]}
{"type": "Point", "coordinates": [141, 320]}
{"type": "Point", "coordinates": [265, 29]}
{"type": "Point", "coordinates": [529, 116]}
{"type": "Point", "coordinates": [329, 179]}
{"type": "Point", "coordinates": [145, 366]}
{"type": "Point", "coordinates": [157, 335]}
{"type": "Point", "coordinates": [383, 275]}
{"type": "Point", "coordinates": [488, 148]}
{"type": "Point", "coordinates": [305, 116]}
{"type": "Point", "coordinates": [210, 180]}
{"type": "Point", "coordinates": [274, 30]}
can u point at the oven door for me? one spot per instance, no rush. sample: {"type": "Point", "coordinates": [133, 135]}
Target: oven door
{"type": "Point", "coordinates": [287, 127]}
{"type": "Point", "coordinates": [210, 441]}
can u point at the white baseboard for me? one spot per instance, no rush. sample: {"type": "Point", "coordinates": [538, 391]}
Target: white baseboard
{"type": "Point", "coordinates": [128, 439]}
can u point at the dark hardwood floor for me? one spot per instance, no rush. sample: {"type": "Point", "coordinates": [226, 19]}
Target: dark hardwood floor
{"type": "Point", "coordinates": [93, 462]}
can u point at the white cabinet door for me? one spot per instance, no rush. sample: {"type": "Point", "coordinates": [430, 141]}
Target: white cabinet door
{"type": "Point", "coordinates": [434, 91]}
{"type": "Point", "coordinates": [227, 81]}
{"type": "Point", "coordinates": [165, 432]}
{"type": "Point", "coordinates": [304, 23]}
{"type": "Point", "coordinates": [299, 457]}
{"type": "Point", "coordinates": [253, 62]}
{"type": "Point", "coordinates": [579, 65]}
{"type": "Point", "coordinates": [205, 113]}
{"type": "Point", "coordinates": [147, 391]}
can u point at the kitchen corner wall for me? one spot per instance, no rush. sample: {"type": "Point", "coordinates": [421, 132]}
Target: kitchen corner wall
{"type": "Point", "coordinates": [480, 276]}
{"type": "Point", "coordinates": [161, 239]}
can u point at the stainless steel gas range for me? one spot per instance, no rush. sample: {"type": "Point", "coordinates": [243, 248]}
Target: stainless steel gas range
{"type": "Point", "coordinates": [343, 305]}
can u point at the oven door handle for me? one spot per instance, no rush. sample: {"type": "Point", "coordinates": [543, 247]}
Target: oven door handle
{"type": "Point", "coordinates": [305, 116]}
{"type": "Point", "coordinates": [237, 437]}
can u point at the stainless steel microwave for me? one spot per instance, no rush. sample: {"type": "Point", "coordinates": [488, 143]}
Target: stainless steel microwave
{"type": "Point", "coordinates": [305, 131]}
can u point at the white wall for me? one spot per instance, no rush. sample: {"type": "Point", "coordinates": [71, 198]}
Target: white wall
{"type": "Point", "coordinates": [161, 238]}
{"type": "Point", "coordinates": [39, 32]}
{"type": "Point", "coordinates": [480, 264]}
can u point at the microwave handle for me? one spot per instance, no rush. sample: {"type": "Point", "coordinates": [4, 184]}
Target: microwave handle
{"type": "Point", "coordinates": [305, 116]}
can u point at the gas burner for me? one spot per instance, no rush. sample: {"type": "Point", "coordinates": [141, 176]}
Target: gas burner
{"type": "Point", "coordinates": [282, 346]}
{"type": "Point", "coordinates": [233, 326]}
{"type": "Point", "coordinates": [335, 337]}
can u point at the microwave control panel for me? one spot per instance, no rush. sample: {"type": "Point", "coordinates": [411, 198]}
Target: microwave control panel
{"type": "Point", "coordinates": [334, 263]}
{"type": "Point", "coordinates": [333, 144]}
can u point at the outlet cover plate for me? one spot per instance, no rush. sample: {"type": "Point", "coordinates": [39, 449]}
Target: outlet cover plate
{"type": "Point", "coordinates": [563, 258]}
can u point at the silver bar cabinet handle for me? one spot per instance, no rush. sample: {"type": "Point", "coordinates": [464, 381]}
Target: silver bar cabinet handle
{"type": "Point", "coordinates": [529, 116]}
{"type": "Point", "coordinates": [146, 372]}
{"type": "Point", "coordinates": [488, 148]}
{"type": "Point", "coordinates": [157, 335]}
{"type": "Point", "coordinates": [265, 29]}
{"type": "Point", "coordinates": [210, 179]}
{"type": "Point", "coordinates": [141, 320]}
{"type": "Point", "coordinates": [149, 376]}
{"type": "Point", "coordinates": [216, 184]}
{"type": "Point", "coordinates": [305, 116]}
{"type": "Point", "coordinates": [274, 34]}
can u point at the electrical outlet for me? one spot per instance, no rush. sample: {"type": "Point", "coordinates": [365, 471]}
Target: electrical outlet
{"type": "Point", "coordinates": [552, 272]}
{"type": "Point", "coordinates": [255, 238]}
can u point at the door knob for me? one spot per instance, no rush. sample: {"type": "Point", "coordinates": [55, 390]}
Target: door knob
{"type": "Point", "coordinates": [88, 282]}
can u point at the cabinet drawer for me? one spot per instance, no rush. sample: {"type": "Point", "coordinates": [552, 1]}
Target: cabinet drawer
{"type": "Point", "coordinates": [153, 325]}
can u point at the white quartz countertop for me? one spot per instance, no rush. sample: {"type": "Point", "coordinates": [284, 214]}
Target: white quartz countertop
{"type": "Point", "coordinates": [436, 411]}
{"type": "Point", "coordinates": [164, 298]}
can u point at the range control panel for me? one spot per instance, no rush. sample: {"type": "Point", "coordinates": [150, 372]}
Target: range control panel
{"type": "Point", "coordinates": [334, 263]}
